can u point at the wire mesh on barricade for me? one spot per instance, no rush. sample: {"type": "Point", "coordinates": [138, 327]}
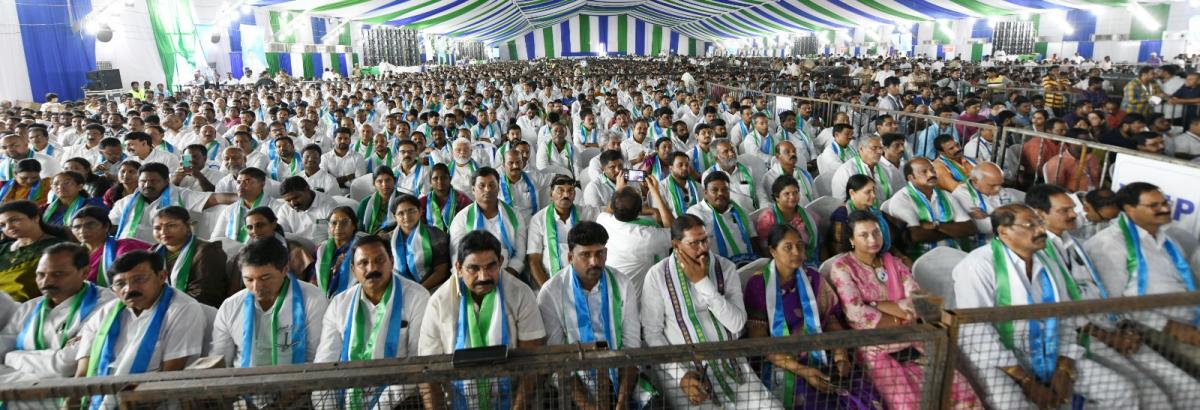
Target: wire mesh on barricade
{"type": "Point", "coordinates": [1096, 354]}
{"type": "Point", "coordinates": [882, 368]}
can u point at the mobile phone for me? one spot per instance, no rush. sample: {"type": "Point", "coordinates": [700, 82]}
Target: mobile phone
{"type": "Point", "coordinates": [187, 161]}
{"type": "Point", "coordinates": [635, 175]}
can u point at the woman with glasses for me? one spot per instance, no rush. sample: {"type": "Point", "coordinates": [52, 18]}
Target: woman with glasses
{"type": "Point", "coordinates": [91, 227]}
{"type": "Point", "coordinates": [66, 199]}
{"type": "Point", "coordinates": [332, 272]}
{"type": "Point", "coordinates": [420, 252]}
{"type": "Point", "coordinates": [196, 267]}
{"type": "Point", "coordinates": [787, 298]}
{"type": "Point", "coordinates": [25, 237]}
{"type": "Point", "coordinates": [875, 289]}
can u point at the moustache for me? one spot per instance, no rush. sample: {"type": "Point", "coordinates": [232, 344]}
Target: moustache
{"type": "Point", "coordinates": [373, 275]}
{"type": "Point", "coordinates": [1040, 237]}
{"type": "Point", "coordinates": [484, 284]}
{"type": "Point", "coordinates": [133, 295]}
{"type": "Point", "coordinates": [1162, 214]}
{"type": "Point", "coordinates": [49, 289]}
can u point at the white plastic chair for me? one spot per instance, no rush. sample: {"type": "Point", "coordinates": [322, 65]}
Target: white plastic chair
{"type": "Point", "coordinates": [823, 184]}
{"type": "Point", "coordinates": [362, 187]}
{"type": "Point", "coordinates": [745, 272]}
{"type": "Point", "coordinates": [1183, 238]}
{"type": "Point", "coordinates": [205, 222]}
{"type": "Point", "coordinates": [755, 162]}
{"type": "Point", "coordinates": [584, 157]}
{"type": "Point", "coordinates": [933, 271]}
{"type": "Point", "coordinates": [552, 170]}
{"type": "Point", "coordinates": [210, 315]}
{"type": "Point", "coordinates": [823, 208]}
{"type": "Point", "coordinates": [827, 266]}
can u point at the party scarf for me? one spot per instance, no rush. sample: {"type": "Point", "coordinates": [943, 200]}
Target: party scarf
{"type": "Point", "coordinates": [36, 191]}
{"type": "Point", "coordinates": [881, 177]}
{"type": "Point", "coordinates": [474, 221]}
{"type": "Point", "coordinates": [1135, 261]}
{"type": "Point", "coordinates": [679, 205]}
{"type": "Point", "coordinates": [359, 343]}
{"type": "Point", "coordinates": [702, 159]}
{"type": "Point", "coordinates": [81, 306]}
{"type": "Point", "coordinates": [956, 170]}
{"type": "Point", "coordinates": [777, 319]}
{"type": "Point", "coordinates": [67, 215]}
{"type": "Point", "coordinates": [104, 345]}
{"type": "Point", "coordinates": [487, 327]}
{"type": "Point", "coordinates": [333, 281]}
{"type": "Point", "coordinates": [810, 229]}
{"type": "Point", "coordinates": [1043, 334]}
{"type": "Point", "coordinates": [299, 325]}
{"type": "Point", "coordinates": [568, 153]}
{"type": "Point", "coordinates": [413, 254]}
{"type": "Point", "coordinates": [414, 187]}
{"type": "Point", "coordinates": [236, 227]}
{"type": "Point", "coordinates": [438, 217]}
{"type": "Point", "coordinates": [678, 292]}
{"type": "Point", "coordinates": [843, 152]}
{"type": "Point", "coordinates": [107, 257]}
{"type": "Point", "coordinates": [373, 211]}
{"type": "Point", "coordinates": [131, 216]}
{"type": "Point", "coordinates": [766, 147]}
{"type": "Point", "coordinates": [453, 165]}
{"type": "Point", "coordinates": [726, 244]}
{"type": "Point", "coordinates": [745, 173]}
{"type": "Point", "coordinates": [553, 249]}
{"type": "Point", "coordinates": [383, 162]}
{"type": "Point", "coordinates": [292, 170]}
{"type": "Point", "coordinates": [577, 317]}
{"type": "Point", "coordinates": [181, 272]}
{"type": "Point", "coordinates": [507, 196]}
{"type": "Point", "coordinates": [586, 137]}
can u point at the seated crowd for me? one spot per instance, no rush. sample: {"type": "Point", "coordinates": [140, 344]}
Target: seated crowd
{"type": "Point", "coordinates": [553, 203]}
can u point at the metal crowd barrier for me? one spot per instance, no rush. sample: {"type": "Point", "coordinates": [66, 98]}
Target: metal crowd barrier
{"type": "Point", "coordinates": [548, 369]}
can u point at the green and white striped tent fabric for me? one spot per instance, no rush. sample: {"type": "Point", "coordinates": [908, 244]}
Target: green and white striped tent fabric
{"type": "Point", "coordinates": [587, 35]}
{"type": "Point", "coordinates": [498, 21]}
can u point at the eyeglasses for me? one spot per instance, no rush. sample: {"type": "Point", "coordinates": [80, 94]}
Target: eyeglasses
{"type": "Point", "coordinates": [1166, 203]}
{"type": "Point", "coordinates": [1040, 223]}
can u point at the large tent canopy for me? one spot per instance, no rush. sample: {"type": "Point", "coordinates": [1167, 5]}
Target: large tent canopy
{"type": "Point", "coordinates": [497, 20]}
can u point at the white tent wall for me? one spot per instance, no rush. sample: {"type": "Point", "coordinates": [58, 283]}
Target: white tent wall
{"type": "Point", "coordinates": [14, 80]}
{"type": "Point", "coordinates": [132, 49]}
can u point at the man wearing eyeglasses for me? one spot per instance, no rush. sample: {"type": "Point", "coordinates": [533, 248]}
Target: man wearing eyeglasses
{"type": "Point", "coordinates": [1039, 362]}
{"type": "Point", "coordinates": [1136, 256]}
{"type": "Point", "coordinates": [39, 342]}
{"type": "Point", "coordinates": [149, 327]}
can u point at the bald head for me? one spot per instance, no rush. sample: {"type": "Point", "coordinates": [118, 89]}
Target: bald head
{"type": "Point", "coordinates": [987, 178]}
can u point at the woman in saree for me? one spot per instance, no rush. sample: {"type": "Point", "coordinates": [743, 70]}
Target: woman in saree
{"type": "Point", "coordinates": [788, 298]}
{"type": "Point", "coordinates": [875, 289]}
{"type": "Point", "coordinates": [91, 227]}
{"type": "Point", "coordinates": [860, 195]}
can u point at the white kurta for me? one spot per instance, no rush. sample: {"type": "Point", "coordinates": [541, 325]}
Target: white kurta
{"type": "Point", "coordinates": [415, 299]}
{"type": "Point", "coordinates": [660, 327]}
{"type": "Point", "coordinates": [1108, 252]}
{"type": "Point", "coordinates": [230, 322]}
{"type": "Point", "coordinates": [513, 258]}
{"type": "Point", "coordinates": [975, 287]}
{"type": "Point", "coordinates": [535, 241]}
{"type": "Point", "coordinates": [193, 201]}
{"type": "Point", "coordinates": [311, 224]}
{"type": "Point", "coordinates": [56, 360]}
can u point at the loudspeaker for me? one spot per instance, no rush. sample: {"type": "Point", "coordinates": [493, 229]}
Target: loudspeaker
{"type": "Point", "coordinates": [103, 80]}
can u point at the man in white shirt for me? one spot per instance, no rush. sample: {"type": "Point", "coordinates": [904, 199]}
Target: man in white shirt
{"type": "Point", "coordinates": [1162, 266]}
{"type": "Point", "coordinates": [678, 188]}
{"type": "Point", "coordinates": [933, 217]}
{"type": "Point", "coordinates": [36, 342]}
{"type": "Point", "coordinates": [891, 101]}
{"type": "Point", "coordinates": [982, 193]}
{"type": "Point", "coordinates": [199, 175]}
{"type": "Point", "coordinates": [148, 316]}
{"type": "Point", "coordinates": [343, 163]}
{"type": "Point", "coordinates": [320, 179]}
{"type": "Point", "coordinates": [806, 152]}
{"type": "Point", "coordinates": [741, 181]}
{"type": "Point", "coordinates": [251, 193]}
{"type": "Point", "coordinates": [611, 178]}
{"type": "Point", "coordinates": [379, 294]}
{"type": "Point", "coordinates": [636, 149]}
{"type": "Point", "coordinates": [304, 213]}
{"type": "Point", "coordinates": [525, 191]}
{"type": "Point", "coordinates": [546, 242]}
{"type": "Point", "coordinates": [981, 146]}
{"type": "Point", "coordinates": [276, 319]}
{"type": "Point", "coordinates": [137, 145]}
{"type": "Point", "coordinates": [558, 150]}
{"type": "Point", "coordinates": [287, 161]}
{"type": "Point", "coordinates": [530, 123]}
{"type": "Point", "coordinates": [1156, 378]}
{"type": "Point", "coordinates": [611, 304]}
{"type": "Point", "coordinates": [731, 232]}
{"type": "Point", "coordinates": [759, 141]}
{"type": "Point", "coordinates": [838, 151]}
{"type": "Point", "coordinates": [716, 293]}
{"type": "Point", "coordinates": [134, 212]}
{"type": "Point", "coordinates": [1187, 143]}
{"type": "Point", "coordinates": [490, 214]}
{"type": "Point", "coordinates": [786, 162]}
{"type": "Point", "coordinates": [739, 126]}
{"type": "Point", "coordinates": [1015, 270]}
{"type": "Point", "coordinates": [870, 151]}
{"type": "Point", "coordinates": [515, 321]}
